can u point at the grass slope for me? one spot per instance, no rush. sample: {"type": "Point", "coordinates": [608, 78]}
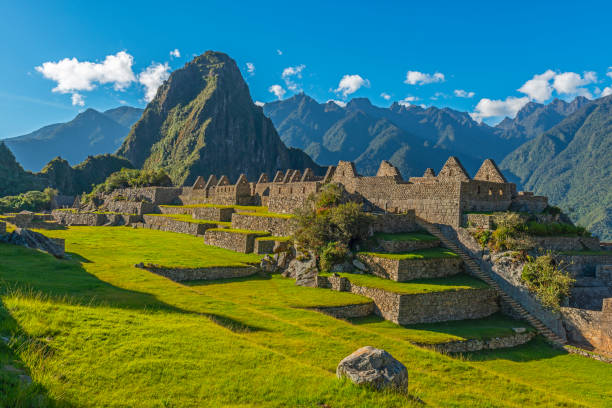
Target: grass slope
{"type": "Point", "coordinates": [95, 331]}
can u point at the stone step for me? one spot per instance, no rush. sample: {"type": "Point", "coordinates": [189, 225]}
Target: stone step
{"type": "Point", "coordinates": [411, 265]}
{"type": "Point", "coordinates": [473, 266]}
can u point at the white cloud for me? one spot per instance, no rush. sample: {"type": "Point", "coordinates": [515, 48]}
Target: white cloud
{"type": "Point", "coordinates": [609, 73]}
{"type": "Point", "coordinates": [460, 93]}
{"type": "Point", "coordinates": [607, 91]}
{"type": "Point", "coordinates": [487, 108]}
{"type": "Point", "coordinates": [73, 75]}
{"type": "Point", "coordinates": [385, 96]}
{"type": "Point", "coordinates": [289, 73]}
{"type": "Point", "coordinates": [572, 83]}
{"type": "Point", "coordinates": [152, 78]}
{"type": "Point", "coordinates": [250, 68]}
{"type": "Point", "coordinates": [350, 84]}
{"type": "Point", "coordinates": [277, 90]}
{"type": "Point", "coordinates": [342, 104]}
{"type": "Point", "coordinates": [421, 78]}
{"type": "Point", "coordinates": [538, 88]}
{"type": "Point", "coordinates": [259, 103]}
{"type": "Point", "coordinates": [407, 101]}
{"type": "Point", "coordinates": [175, 53]}
{"type": "Point", "coordinates": [77, 99]}
{"type": "Point", "coordinates": [279, 52]}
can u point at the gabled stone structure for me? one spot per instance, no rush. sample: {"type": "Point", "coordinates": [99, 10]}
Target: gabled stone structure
{"type": "Point", "coordinates": [442, 198]}
{"type": "Point", "coordinates": [199, 183]}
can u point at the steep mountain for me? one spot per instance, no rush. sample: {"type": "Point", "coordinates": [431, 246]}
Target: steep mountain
{"type": "Point", "coordinates": [321, 128]}
{"type": "Point", "coordinates": [89, 133]}
{"type": "Point", "coordinates": [572, 164]}
{"type": "Point", "coordinates": [13, 178]}
{"type": "Point", "coordinates": [536, 118]}
{"type": "Point", "coordinates": [203, 121]}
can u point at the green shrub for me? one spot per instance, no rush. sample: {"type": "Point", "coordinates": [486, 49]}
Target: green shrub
{"type": "Point", "coordinates": [547, 280]}
{"type": "Point", "coordinates": [330, 195]}
{"type": "Point", "coordinates": [333, 253]}
{"type": "Point", "coordinates": [130, 178]}
{"type": "Point", "coordinates": [30, 201]}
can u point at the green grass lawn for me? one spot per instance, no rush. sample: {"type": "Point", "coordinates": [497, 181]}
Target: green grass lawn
{"type": "Point", "coordinates": [420, 254]}
{"type": "Point", "coordinates": [405, 236]}
{"type": "Point", "coordinates": [189, 218]}
{"type": "Point", "coordinates": [95, 331]}
{"type": "Point", "coordinates": [452, 283]}
{"type": "Point", "coordinates": [435, 333]}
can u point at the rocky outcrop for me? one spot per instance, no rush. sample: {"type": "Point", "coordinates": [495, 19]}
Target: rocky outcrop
{"type": "Point", "coordinates": [35, 240]}
{"type": "Point", "coordinates": [374, 368]}
{"type": "Point", "coordinates": [304, 271]}
{"type": "Point", "coordinates": [203, 121]}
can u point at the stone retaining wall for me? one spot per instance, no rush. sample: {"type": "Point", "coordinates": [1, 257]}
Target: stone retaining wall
{"type": "Point", "coordinates": [403, 270]}
{"type": "Point", "coordinates": [172, 225]}
{"type": "Point", "coordinates": [275, 225]}
{"type": "Point", "coordinates": [465, 346]}
{"type": "Point", "coordinates": [212, 273]}
{"type": "Point", "coordinates": [154, 195]}
{"type": "Point", "coordinates": [421, 308]}
{"type": "Point", "coordinates": [567, 243]}
{"type": "Point", "coordinates": [348, 311]}
{"type": "Point", "coordinates": [235, 241]}
{"type": "Point", "coordinates": [264, 246]}
{"type": "Point", "coordinates": [406, 246]}
{"type": "Point", "coordinates": [130, 207]}
{"type": "Point", "coordinates": [484, 221]}
{"type": "Point", "coordinates": [70, 218]}
{"type": "Point", "coordinates": [584, 265]}
{"type": "Point", "coordinates": [212, 213]}
{"type": "Point", "coordinates": [175, 210]}
{"type": "Point", "coordinates": [392, 223]}
{"type": "Point", "coordinates": [590, 327]}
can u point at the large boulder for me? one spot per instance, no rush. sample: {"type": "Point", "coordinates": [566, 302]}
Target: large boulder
{"type": "Point", "coordinates": [374, 368]}
{"type": "Point", "coordinates": [304, 271]}
{"type": "Point", "coordinates": [34, 240]}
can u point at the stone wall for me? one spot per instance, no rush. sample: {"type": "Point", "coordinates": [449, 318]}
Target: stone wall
{"type": "Point", "coordinates": [175, 210]}
{"type": "Point", "coordinates": [404, 270]}
{"type": "Point", "coordinates": [567, 243]}
{"type": "Point", "coordinates": [584, 265]}
{"type": "Point", "coordinates": [277, 226]}
{"type": "Point", "coordinates": [235, 241]}
{"type": "Point", "coordinates": [70, 218]}
{"type": "Point", "coordinates": [421, 308]}
{"type": "Point", "coordinates": [589, 327]}
{"type": "Point", "coordinates": [154, 195]}
{"type": "Point", "coordinates": [392, 223]}
{"type": "Point", "coordinates": [527, 202]}
{"type": "Point", "coordinates": [477, 195]}
{"type": "Point", "coordinates": [130, 207]}
{"type": "Point", "coordinates": [470, 345]}
{"type": "Point", "coordinates": [398, 246]}
{"type": "Point", "coordinates": [172, 225]}
{"type": "Point", "coordinates": [264, 246]}
{"type": "Point", "coordinates": [286, 197]}
{"type": "Point", "coordinates": [213, 213]}
{"type": "Point", "coordinates": [193, 274]}
{"type": "Point", "coordinates": [484, 221]}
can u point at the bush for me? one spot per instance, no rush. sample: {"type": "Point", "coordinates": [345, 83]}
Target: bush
{"type": "Point", "coordinates": [547, 280]}
{"type": "Point", "coordinates": [329, 219]}
{"type": "Point", "coordinates": [130, 178]}
{"type": "Point", "coordinates": [333, 253]}
{"type": "Point", "coordinates": [30, 201]}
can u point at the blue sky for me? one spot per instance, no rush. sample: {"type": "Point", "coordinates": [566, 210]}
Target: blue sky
{"type": "Point", "coordinates": [453, 49]}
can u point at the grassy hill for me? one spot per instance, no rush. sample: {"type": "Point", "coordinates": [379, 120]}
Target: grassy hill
{"type": "Point", "coordinates": [94, 330]}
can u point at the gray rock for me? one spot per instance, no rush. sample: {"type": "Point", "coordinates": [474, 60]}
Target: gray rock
{"type": "Point", "coordinates": [359, 265]}
{"type": "Point", "coordinates": [519, 330]}
{"type": "Point", "coordinates": [375, 368]}
{"type": "Point", "coordinates": [305, 272]}
{"type": "Point", "coordinates": [268, 265]}
{"type": "Point", "coordinates": [34, 240]}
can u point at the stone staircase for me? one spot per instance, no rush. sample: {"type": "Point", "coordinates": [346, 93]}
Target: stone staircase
{"type": "Point", "coordinates": [474, 268]}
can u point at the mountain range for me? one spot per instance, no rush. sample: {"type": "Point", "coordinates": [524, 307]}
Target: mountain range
{"type": "Point", "coordinates": [90, 133]}
{"type": "Point", "coordinates": [571, 163]}
{"type": "Point", "coordinates": [203, 121]}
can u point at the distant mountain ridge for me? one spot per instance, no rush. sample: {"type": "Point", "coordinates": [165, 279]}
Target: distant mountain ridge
{"type": "Point", "coordinates": [572, 164]}
{"type": "Point", "coordinates": [89, 133]}
{"type": "Point", "coordinates": [203, 121]}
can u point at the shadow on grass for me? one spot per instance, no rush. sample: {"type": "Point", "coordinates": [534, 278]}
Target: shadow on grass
{"type": "Point", "coordinates": [536, 349]}
{"type": "Point", "coordinates": [15, 389]}
{"type": "Point", "coordinates": [48, 226]}
{"type": "Point", "coordinates": [255, 277]}
{"type": "Point", "coordinates": [233, 325]}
